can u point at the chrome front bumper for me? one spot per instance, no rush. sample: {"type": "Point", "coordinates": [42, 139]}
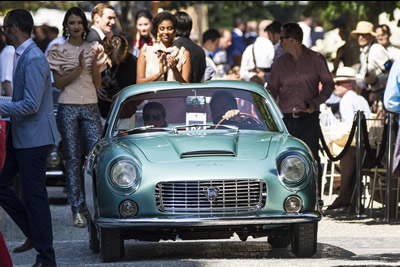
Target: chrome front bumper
{"type": "Point", "coordinates": [201, 221]}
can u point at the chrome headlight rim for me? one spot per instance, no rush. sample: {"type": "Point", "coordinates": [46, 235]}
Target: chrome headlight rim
{"type": "Point", "coordinates": [298, 199]}
{"type": "Point", "coordinates": [299, 183]}
{"type": "Point", "coordinates": [133, 187]}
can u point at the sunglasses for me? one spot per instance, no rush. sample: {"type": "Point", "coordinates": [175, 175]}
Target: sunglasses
{"type": "Point", "coordinates": [3, 28]}
{"type": "Point", "coordinates": [284, 37]}
{"type": "Point", "coordinates": [155, 117]}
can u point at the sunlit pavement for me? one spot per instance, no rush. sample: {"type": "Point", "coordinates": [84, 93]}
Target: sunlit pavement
{"type": "Point", "coordinates": [343, 239]}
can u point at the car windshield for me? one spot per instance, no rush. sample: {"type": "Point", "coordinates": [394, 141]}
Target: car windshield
{"type": "Point", "coordinates": [194, 109]}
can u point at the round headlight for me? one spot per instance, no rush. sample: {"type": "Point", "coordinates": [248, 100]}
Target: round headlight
{"type": "Point", "coordinates": [293, 204]}
{"type": "Point", "coordinates": [128, 208]}
{"type": "Point", "coordinates": [293, 168]}
{"type": "Point", "coordinates": [123, 174]}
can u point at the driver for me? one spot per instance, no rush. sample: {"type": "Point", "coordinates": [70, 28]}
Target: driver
{"type": "Point", "coordinates": [222, 102]}
{"type": "Point", "coordinates": [154, 114]}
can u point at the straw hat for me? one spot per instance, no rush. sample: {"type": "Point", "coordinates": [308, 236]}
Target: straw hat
{"type": "Point", "coordinates": [364, 27]}
{"type": "Point", "coordinates": [345, 74]}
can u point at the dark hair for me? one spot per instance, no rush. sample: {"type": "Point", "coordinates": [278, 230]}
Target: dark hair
{"type": "Point", "coordinates": [185, 24]}
{"type": "Point", "coordinates": [223, 94]}
{"type": "Point", "coordinates": [157, 106]}
{"type": "Point", "coordinates": [116, 48]}
{"type": "Point", "coordinates": [274, 27]}
{"type": "Point", "coordinates": [128, 36]}
{"type": "Point", "coordinates": [54, 30]}
{"type": "Point", "coordinates": [77, 11]}
{"type": "Point", "coordinates": [210, 34]}
{"type": "Point", "coordinates": [237, 21]}
{"type": "Point", "coordinates": [160, 17]}
{"type": "Point", "coordinates": [143, 13]}
{"type": "Point", "coordinates": [22, 19]}
{"type": "Point", "coordinates": [385, 28]}
{"type": "Point", "coordinates": [293, 30]}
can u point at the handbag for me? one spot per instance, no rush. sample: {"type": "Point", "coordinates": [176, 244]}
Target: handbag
{"type": "Point", "coordinates": [110, 82]}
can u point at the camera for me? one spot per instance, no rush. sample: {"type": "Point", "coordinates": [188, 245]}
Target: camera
{"type": "Point", "coordinates": [388, 64]}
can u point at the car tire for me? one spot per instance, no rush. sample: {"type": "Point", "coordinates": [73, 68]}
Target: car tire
{"type": "Point", "coordinates": [94, 243]}
{"type": "Point", "coordinates": [279, 241]}
{"type": "Point", "coordinates": [304, 243]}
{"type": "Point", "coordinates": [111, 244]}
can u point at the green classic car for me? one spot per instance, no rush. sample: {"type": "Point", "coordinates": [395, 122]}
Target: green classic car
{"type": "Point", "coordinates": [199, 161]}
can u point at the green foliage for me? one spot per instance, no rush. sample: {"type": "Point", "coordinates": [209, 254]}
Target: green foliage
{"type": "Point", "coordinates": [339, 12]}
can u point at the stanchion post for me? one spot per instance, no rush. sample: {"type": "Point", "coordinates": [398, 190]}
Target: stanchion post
{"type": "Point", "coordinates": [388, 166]}
{"type": "Point", "coordinates": [358, 163]}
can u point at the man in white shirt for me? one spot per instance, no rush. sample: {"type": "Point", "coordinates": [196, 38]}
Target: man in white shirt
{"type": "Point", "coordinates": [371, 74]}
{"type": "Point", "coordinates": [257, 60]}
{"type": "Point", "coordinates": [6, 69]}
{"type": "Point", "coordinates": [210, 43]}
{"type": "Point", "coordinates": [220, 56]}
{"type": "Point", "coordinates": [383, 37]}
{"type": "Point", "coordinates": [350, 101]}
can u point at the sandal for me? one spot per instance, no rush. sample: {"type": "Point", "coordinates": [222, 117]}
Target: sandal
{"type": "Point", "coordinates": [79, 220]}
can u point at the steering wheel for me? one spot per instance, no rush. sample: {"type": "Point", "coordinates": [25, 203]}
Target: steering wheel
{"type": "Point", "coordinates": [247, 119]}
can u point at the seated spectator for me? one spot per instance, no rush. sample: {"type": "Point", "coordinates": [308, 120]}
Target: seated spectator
{"type": "Point", "coordinates": [349, 105]}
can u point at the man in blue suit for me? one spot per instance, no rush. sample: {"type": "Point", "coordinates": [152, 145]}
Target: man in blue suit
{"type": "Point", "coordinates": [236, 49]}
{"type": "Point", "coordinates": [31, 134]}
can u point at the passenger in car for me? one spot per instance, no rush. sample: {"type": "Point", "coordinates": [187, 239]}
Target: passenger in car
{"type": "Point", "coordinates": [154, 114]}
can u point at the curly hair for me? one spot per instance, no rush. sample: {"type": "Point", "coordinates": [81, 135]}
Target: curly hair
{"type": "Point", "coordinates": [160, 17]}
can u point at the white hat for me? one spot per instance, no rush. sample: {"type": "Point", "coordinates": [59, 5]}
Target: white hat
{"type": "Point", "coordinates": [363, 27]}
{"type": "Point", "coordinates": [345, 74]}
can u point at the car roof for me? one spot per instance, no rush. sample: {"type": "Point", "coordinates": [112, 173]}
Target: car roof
{"type": "Point", "coordinates": [161, 86]}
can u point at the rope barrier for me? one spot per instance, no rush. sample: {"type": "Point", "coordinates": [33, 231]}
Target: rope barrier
{"type": "Point", "coordinates": [376, 160]}
{"type": "Point", "coordinates": [347, 145]}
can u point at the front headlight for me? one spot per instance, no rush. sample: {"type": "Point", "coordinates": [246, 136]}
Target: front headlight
{"type": "Point", "coordinates": [293, 168]}
{"type": "Point", "coordinates": [124, 174]}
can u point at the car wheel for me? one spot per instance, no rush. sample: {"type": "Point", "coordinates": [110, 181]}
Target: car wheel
{"type": "Point", "coordinates": [111, 244]}
{"type": "Point", "coordinates": [94, 243]}
{"type": "Point", "coordinates": [279, 241]}
{"type": "Point", "coordinates": [304, 243]}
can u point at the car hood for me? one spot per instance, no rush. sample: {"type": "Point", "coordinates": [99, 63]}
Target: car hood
{"type": "Point", "coordinates": [171, 147]}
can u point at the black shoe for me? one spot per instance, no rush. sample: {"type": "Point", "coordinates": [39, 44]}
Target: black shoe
{"type": "Point", "coordinates": [28, 245]}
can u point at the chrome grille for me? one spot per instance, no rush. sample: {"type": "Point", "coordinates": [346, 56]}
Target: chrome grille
{"type": "Point", "coordinates": [216, 196]}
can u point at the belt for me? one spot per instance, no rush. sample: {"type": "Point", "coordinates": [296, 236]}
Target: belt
{"type": "Point", "coordinates": [265, 69]}
{"type": "Point", "coordinates": [298, 115]}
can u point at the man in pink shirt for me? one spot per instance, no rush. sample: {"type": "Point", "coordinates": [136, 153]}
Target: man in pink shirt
{"type": "Point", "coordinates": [294, 83]}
